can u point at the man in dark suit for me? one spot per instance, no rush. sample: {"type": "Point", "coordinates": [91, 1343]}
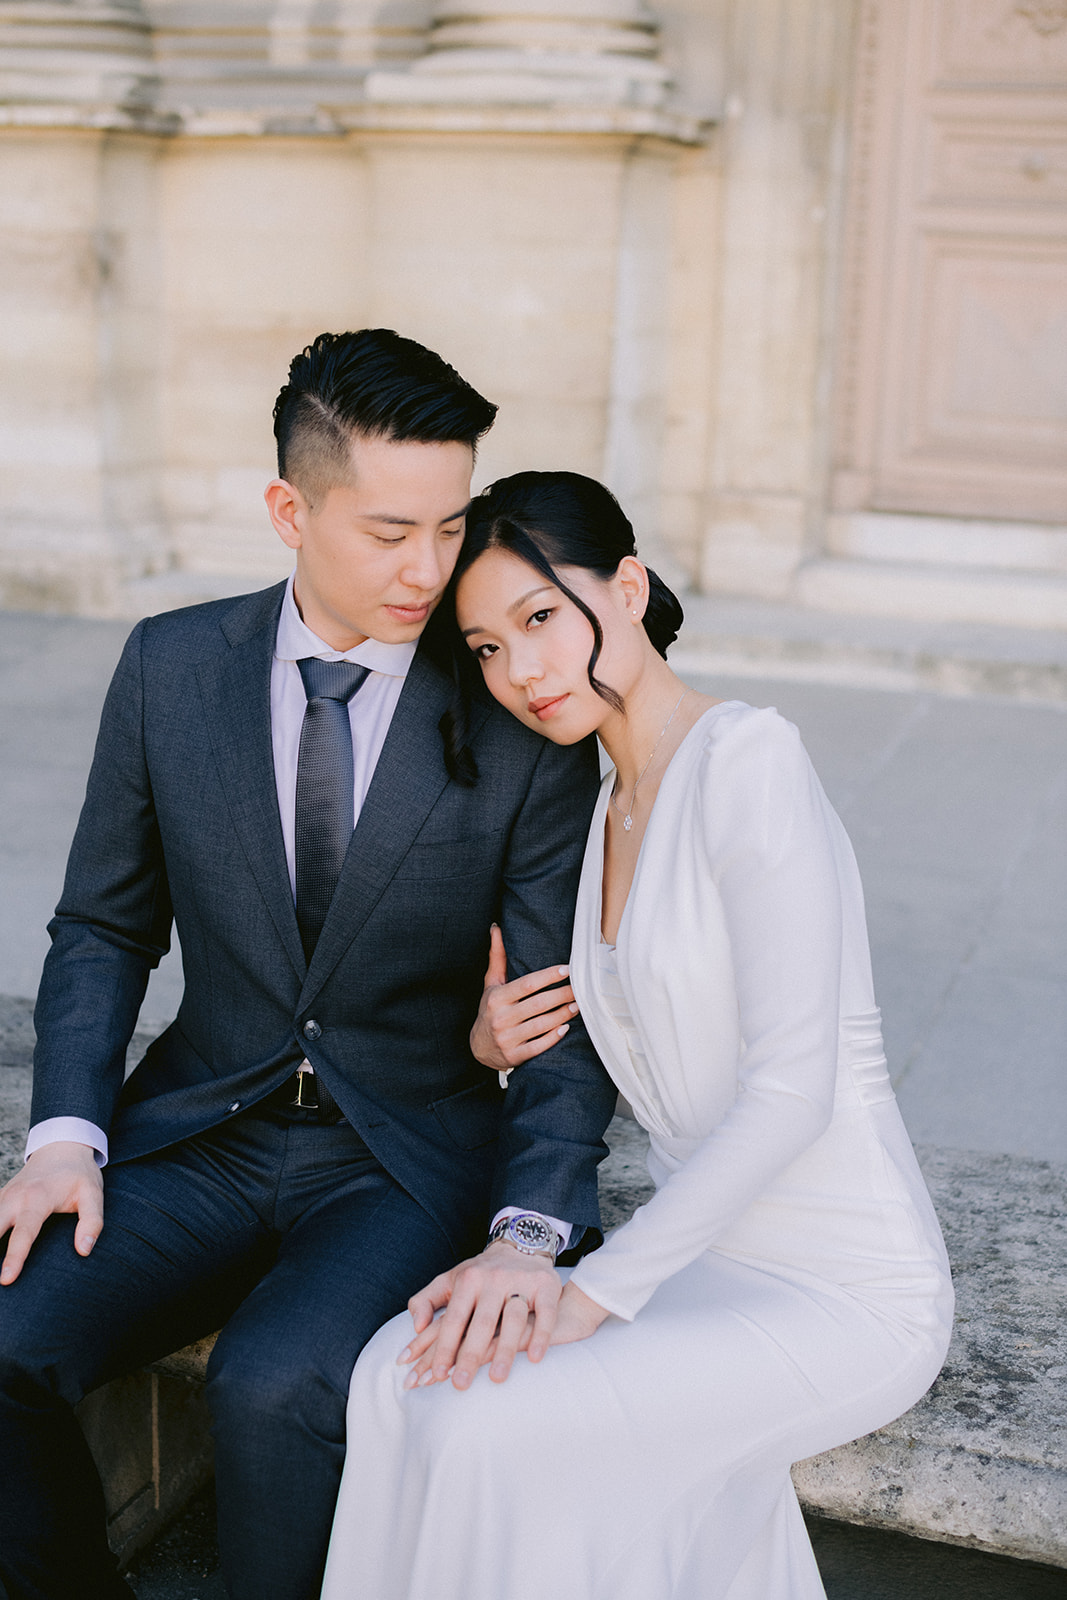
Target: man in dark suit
{"type": "Point", "coordinates": [311, 1140]}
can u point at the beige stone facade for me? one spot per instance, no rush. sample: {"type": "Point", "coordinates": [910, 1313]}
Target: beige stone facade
{"type": "Point", "coordinates": [791, 275]}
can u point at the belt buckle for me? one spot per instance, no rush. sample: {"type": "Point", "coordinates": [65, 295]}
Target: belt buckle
{"type": "Point", "coordinates": [303, 1072]}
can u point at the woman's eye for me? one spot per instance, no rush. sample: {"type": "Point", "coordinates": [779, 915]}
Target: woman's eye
{"type": "Point", "coordinates": [540, 617]}
{"type": "Point", "coordinates": [484, 651]}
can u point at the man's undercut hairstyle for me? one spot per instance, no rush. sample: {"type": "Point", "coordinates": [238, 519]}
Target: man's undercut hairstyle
{"type": "Point", "coordinates": [372, 385]}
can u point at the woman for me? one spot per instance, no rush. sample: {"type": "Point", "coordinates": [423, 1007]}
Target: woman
{"type": "Point", "coordinates": [786, 1288]}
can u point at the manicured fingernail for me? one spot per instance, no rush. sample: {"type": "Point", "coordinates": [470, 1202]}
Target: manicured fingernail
{"type": "Point", "coordinates": [573, 1008]}
{"type": "Point", "coordinates": [562, 1029]}
{"type": "Point", "coordinates": [411, 1380]}
{"type": "Point", "coordinates": [564, 972]}
{"type": "Point", "coordinates": [427, 1378]}
{"type": "Point", "coordinates": [404, 1357]}
{"type": "Point", "coordinates": [462, 1380]}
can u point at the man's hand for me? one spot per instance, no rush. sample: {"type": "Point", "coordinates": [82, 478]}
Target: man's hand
{"type": "Point", "coordinates": [495, 1304]}
{"type": "Point", "coordinates": [520, 1019]}
{"type": "Point", "coordinates": [61, 1177]}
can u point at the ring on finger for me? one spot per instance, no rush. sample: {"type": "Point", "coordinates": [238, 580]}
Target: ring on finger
{"type": "Point", "coordinates": [522, 1297]}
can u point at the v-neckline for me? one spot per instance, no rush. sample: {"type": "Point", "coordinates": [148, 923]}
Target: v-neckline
{"type": "Point", "coordinates": [600, 822]}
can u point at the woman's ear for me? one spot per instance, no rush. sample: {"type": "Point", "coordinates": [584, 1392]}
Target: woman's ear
{"type": "Point", "coordinates": [632, 577]}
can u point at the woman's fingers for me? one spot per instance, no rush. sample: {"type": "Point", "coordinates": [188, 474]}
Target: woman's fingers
{"type": "Point", "coordinates": [523, 1018]}
{"type": "Point", "coordinates": [496, 972]}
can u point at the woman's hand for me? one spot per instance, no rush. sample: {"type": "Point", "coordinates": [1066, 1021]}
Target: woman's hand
{"type": "Point", "coordinates": [521, 1019]}
{"type": "Point", "coordinates": [576, 1317]}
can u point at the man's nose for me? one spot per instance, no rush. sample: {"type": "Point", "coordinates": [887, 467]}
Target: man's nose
{"type": "Point", "coordinates": [424, 568]}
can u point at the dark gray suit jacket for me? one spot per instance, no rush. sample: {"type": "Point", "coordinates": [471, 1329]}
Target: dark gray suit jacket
{"type": "Point", "coordinates": [181, 817]}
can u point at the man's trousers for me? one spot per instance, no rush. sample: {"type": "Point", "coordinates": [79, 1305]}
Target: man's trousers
{"type": "Point", "coordinates": [288, 1235]}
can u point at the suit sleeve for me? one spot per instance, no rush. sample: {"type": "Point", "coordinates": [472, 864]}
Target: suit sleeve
{"type": "Point", "coordinates": [558, 1104]}
{"type": "Point", "coordinates": [113, 921]}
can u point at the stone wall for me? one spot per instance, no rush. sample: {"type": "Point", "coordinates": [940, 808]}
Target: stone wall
{"type": "Point", "coordinates": [649, 237]}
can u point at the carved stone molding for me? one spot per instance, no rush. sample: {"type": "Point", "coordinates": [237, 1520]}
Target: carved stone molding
{"type": "Point", "coordinates": [1045, 16]}
{"type": "Point", "coordinates": [230, 66]}
{"type": "Point", "coordinates": [517, 52]}
{"type": "Point", "coordinates": [71, 65]}
{"type": "Point", "coordinates": [537, 66]}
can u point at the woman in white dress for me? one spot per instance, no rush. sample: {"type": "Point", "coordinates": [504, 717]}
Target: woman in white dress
{"type": "Point", "coordinates": [786, 1288]}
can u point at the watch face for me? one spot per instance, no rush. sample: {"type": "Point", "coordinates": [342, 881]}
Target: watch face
{"type": "Point", "coordinates": [532, 1233]}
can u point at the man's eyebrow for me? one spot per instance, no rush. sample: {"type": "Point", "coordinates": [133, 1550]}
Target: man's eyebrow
{"type": "Point", "coordinates": [412, 522]}
{"type": "Point", "coordinates": [516, 605]}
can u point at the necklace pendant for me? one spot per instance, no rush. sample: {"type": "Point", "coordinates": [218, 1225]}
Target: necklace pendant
{"type": "Point", "coordinates": [627, 822]}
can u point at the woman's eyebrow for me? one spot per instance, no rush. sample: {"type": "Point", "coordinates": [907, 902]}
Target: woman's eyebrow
{"type": "Point", "coordinates": [516, 605]}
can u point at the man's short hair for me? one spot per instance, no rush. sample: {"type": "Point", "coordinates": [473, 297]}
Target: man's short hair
{"type": "Point", "coordinates": [373, 384]}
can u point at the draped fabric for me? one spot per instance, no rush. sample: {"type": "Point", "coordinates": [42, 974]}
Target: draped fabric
{"type": "Point", "coordinates": [786, 1288]}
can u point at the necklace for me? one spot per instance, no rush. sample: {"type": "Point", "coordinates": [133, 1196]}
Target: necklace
{"type": "Point", "coordinates": [628, 819]}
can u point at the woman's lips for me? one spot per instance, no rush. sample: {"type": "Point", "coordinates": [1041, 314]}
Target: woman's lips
{"type": "Point", "coordinates": [543, 709]}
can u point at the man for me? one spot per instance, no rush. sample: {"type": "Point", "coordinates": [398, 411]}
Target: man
{"type": "Point", "coordinates": [311, 1140]}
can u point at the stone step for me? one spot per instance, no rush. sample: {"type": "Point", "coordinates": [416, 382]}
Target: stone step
{"type": "Point", "coordinates": [759, 638]}
{"type": "Point", "coordinates": [981, 1461]}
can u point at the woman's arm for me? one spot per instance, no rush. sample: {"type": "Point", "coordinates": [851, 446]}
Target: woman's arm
{"type": "Point", "coordinates": [769, 856]}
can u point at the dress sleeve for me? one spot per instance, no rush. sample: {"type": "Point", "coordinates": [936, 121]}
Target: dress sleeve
{"type": "Point", "coordinates": [767, 835]}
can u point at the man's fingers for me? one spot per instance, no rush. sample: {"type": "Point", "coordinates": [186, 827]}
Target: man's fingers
{"type": "Point", "coordinates": [424, 1305]}
{"type": "Point", "coordinates": [18, 1248]}
{"type": "Point", "coordinates": [497, 971]}
{"type": "Point", "coordinates": [514, 1322]}
{"type": "Point", "coordinates": [90, 1220]}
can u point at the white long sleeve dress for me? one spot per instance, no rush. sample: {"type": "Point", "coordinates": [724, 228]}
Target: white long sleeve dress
{"type": "Point", "coordinates": [785, 1289]}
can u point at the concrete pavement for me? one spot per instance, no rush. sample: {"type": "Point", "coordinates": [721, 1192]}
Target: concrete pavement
{"type": "Point", "coordinates": [957, 808]}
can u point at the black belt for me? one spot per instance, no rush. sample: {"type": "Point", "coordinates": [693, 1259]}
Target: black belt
{"type": "Point", "coordinates": [306, 1092]}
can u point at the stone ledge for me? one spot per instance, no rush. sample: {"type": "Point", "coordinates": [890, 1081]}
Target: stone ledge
{"type": "Point", "coordinates": [980, 1461]}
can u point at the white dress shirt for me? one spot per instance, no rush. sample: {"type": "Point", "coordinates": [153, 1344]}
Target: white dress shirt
{"type": "Point", "coordinates": [370, 712]}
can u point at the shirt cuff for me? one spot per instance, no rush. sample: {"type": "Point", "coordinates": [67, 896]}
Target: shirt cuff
{"type": "Point", "coordinates": [73, 1130]}
{"type": "Point", "coordinates": [564, 1229]}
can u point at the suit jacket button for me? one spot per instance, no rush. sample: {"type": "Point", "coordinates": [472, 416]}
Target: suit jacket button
{"type": "Point", "coordinates": [312, 1029]}
{"type": "Point", "coordinates": [236, 1106]}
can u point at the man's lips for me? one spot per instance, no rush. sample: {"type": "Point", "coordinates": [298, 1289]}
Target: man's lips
{"type": "Point", "coordinates": [411, 613]}
{"type": "Point", "coordinates": [542, 709]}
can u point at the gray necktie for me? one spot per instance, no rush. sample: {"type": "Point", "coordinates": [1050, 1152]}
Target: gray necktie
{"type": "Point", "coordinates": [325, 814]}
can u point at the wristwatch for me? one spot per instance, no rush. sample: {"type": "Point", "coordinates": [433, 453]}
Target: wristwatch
{"type": "Point", "coordinates": [529, 1233]}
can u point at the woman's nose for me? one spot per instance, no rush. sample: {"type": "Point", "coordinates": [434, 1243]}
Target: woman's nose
{"type": "Point", "coordinates": [524, 667]}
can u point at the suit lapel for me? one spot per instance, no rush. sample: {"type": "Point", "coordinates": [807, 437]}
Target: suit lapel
{"type": "Point", "coordinates": [236, 691]}
{"type": "Point", "coordinates": [407, 782]}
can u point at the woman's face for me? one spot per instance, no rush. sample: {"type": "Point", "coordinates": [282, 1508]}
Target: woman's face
{"type": "Point", "coordinates": [534, 644]}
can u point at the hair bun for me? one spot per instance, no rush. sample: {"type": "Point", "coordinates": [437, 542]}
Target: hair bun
{"type": "Point", "coordinates": [663, 614]}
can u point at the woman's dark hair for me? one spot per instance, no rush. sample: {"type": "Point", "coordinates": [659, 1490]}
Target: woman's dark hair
{"type": "Point", "coordinates": [550, 520]}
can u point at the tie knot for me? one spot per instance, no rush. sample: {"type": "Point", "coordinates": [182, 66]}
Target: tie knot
{"type": "Point", "coordinates": [331, 680]}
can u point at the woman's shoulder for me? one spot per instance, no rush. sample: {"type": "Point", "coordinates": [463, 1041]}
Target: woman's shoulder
{"type": "Point", "coordinates": [747, 768]}
{"type": "Point", "coordinates": [734, 732]}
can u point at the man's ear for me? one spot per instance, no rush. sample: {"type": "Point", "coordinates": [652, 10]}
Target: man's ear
{"type": "Point", "coordinates": [287, 509]}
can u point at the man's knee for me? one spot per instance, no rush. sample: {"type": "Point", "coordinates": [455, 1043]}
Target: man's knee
{"type": "Point", "coordinates": [253, 1384]}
